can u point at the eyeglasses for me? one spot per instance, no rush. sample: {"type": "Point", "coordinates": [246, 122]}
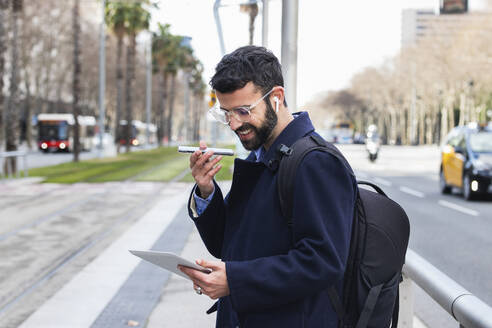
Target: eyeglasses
{"type": "Point", "coordinates": [241, 113]}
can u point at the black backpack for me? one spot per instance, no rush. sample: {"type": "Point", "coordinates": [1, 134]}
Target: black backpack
{"type": "Point", "coordinates": [380, 232]}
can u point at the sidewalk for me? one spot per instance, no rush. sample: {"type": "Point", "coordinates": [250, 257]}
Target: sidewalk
{"type": "Point", "coordinates": [119, 290]}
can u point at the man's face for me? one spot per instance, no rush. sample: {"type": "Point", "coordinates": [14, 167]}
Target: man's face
{"type": "Point", "coordinates": [257, 129]}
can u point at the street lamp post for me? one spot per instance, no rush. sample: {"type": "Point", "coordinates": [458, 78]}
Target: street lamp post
{"type": "Point", "coordinates": [264, 24]}
{"type": "Point", "coordinates": [290, 19]}
{"type": "Point", "coordinates": [102, 75]}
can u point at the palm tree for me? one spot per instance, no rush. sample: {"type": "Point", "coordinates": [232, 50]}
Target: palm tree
{"type": "Point", "coordinates": [252, 10]}
{"type": "Point", "coordinates": [198, 87]}
{"type": "Point", "coordinates": [4, 5]}
{"type": "Point", "coordinates": [116, 19]}
{"type": "Point", "coordinates": [174, 65]}
{"type": "Point", "coordinates": [138, 19]}
{"type": "Point", "coordinates": [12, 121]}
{"type": "Point", "coordinates": [76, 78]}
{"type": "Point", "coordinates": [188, 65]}
{"type": "Point", "coordinates": [163, 52]}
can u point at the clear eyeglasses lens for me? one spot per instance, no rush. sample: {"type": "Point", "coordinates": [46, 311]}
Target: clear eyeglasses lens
{"type": "Point", "coordinates": [219, 115]}
{"type": "Point", "coordinates": [223, 116]}
{"type": "Point", "coordinates": [241, 111]}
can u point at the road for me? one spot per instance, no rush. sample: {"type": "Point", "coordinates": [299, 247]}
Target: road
{"type": "Point", "coordinates": [49, 232]}
{"type": "Point", "coordinates": [449, 232]}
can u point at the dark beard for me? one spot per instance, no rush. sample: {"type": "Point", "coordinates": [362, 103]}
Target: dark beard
{"type": "Point", "coordinates": [261, 133]}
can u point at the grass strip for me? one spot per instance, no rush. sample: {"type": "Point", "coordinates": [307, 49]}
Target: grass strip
{"type": "Point", "coordinates": [119, 168]}
{"type": "Point", "coordinates": [167, 171]}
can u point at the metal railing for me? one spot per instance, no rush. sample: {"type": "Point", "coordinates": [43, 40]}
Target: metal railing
{"type": "Point", "coordinates": [7, 164]}
{"type": "Point", "coordinates": [468, 310]}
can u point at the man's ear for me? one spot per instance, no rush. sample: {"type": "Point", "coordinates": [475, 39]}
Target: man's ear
{"type": "Point", "coordinates": [278, 96]}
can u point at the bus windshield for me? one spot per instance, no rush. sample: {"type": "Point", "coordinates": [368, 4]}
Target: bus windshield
{"type": "Point", "coordinates": [53, 131]}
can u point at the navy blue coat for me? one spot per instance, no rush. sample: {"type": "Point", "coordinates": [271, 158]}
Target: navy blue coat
{"type": "Point", "coordinates": [278, 277]}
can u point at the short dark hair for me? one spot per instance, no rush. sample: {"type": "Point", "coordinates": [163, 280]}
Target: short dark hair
{"type": "Point", "coordinates": [247, 64]}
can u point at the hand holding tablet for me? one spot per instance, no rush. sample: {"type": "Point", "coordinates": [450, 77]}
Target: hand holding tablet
{"type": "Point", "coordinates": [169, 261]}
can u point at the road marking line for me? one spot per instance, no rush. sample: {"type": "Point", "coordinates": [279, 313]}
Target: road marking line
{"type": "Point", "coordinates": [383, 182]}
{"type": "Point", "coordinates": [412, 192]}
{"type": "Point", "coordinates": [458, 208]}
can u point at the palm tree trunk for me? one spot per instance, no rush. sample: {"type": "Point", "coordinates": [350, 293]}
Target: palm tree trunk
{"type": "Point", "coordinates": [130, 77]}
{"type": "Point", "coordinates": [196, 128]}
{"type": "Point", "coordinates": [76, 79]}
{"type": "Point", "coordinates": [4, 4]}
{"type": "Point", "coordinates": [252, 10]}
{"type": "Point", "coordinates": [162, 112]}
{"type": "Point", "coordinates": [12, 120]}
{"type": "Point", "coordinates": [169, 124]}
{"type": "Point", "coordinates": [119, 91]}
{"type": "Point", "coordinates": [252, 16]}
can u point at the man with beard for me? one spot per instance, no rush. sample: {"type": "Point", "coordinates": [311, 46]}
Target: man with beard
{"type": "Point", "coordinates": [271, 274]}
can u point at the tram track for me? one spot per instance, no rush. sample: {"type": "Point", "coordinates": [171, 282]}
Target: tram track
{"type": "Point", "coordinates": [14, 203]}
{"type": "Point", "coordinates": [39, 278]}
{"type": "Point", "coordinates": [50, 216]}
{"type": "Point", "coordinates": [37, 221]}
{"type": "Point", "coordinates": [71, 255]}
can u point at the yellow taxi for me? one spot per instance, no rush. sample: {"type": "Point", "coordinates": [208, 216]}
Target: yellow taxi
{"type": "Point", "coordinates": [466, 160]}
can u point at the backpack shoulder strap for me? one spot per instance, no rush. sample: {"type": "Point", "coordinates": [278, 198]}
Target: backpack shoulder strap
{"type": "Point", "coordinates": [290, 161]}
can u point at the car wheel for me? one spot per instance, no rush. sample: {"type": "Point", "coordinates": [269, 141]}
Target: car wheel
{"type": "Point", "coordinates": [445, 189]}
{"type": "Point", "coordinates": [468, 194]}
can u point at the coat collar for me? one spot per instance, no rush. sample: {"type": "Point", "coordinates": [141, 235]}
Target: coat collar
{"type": "Point", "coordinates": [299, 127]}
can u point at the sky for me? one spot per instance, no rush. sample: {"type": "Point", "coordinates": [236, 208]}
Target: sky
{"type": "Point", "coordinates": [336, 39]}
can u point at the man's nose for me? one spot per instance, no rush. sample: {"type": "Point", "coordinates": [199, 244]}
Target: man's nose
{"type": "Point", "coordinates": [234, 124]}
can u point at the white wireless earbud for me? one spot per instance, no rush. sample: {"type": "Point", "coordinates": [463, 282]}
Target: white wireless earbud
{"type": "Point", "coordinates": [276, 103]}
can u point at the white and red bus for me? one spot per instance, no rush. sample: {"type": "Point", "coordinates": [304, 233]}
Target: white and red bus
{"type": "Point", "coordinates": [55, 132]}
{"type": "Point", "coordinates": [138, 136]}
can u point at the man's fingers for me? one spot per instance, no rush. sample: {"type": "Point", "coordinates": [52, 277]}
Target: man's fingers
{"type": "Point", "coordinates": [198, 277]}
{"type": "Point", "coordinates": [214, 171]}
{"type": "Point", "coordinates": [204, 158]}
{"type": "Point", "coordinates": [194, 157]}
{"type": "Point", "coordinates": [211, 164]}
{"type": "Point", "coordinates": [203, 145]}
{"type": "Point", "coordinates": [214, 265]}
{"type": "Point", "coordinates": [201, 167]}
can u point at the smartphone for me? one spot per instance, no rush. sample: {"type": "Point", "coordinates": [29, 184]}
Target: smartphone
{"type": "Point", "coordinates": [217, 151]}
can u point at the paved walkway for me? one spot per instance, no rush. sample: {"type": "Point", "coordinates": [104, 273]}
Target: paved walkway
{"type": "Point", "coordinates": [118, 290]}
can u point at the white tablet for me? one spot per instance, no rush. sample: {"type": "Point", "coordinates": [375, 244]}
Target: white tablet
{"type": "Point", "coordinates": [169, 261]}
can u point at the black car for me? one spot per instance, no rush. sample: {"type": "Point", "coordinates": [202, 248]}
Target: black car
{"type": "Point", "coordinates": [466, 160]}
